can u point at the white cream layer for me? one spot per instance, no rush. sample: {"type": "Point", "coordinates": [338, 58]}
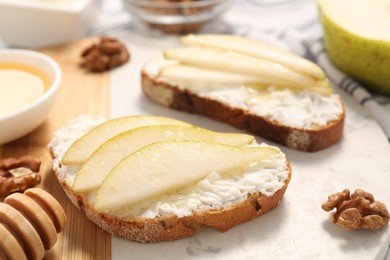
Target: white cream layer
{"type": "Point", "coordinates": [304, 109]}
{"type": "Point", "coordinates": [212, 192]}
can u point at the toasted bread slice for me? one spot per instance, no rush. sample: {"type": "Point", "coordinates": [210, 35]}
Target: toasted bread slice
{"type": "Point", "coordinates": [306, 118]}
{"type": "Point", "coordinates": [152, 223]}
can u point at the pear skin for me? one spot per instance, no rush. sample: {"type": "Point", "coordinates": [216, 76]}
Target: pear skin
{"type": "Point", "coordinates": [365, 59]}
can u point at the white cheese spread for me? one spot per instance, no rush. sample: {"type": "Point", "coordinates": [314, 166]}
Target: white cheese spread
{"type": "Point", "coordinates": [214, 191]}
{"type": "Point", "coordinates": [303, 109]}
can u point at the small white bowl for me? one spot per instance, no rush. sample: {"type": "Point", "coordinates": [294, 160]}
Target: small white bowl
{"type": "Point", "coordinates": [26, 119]}
{"type": "Point", "coordinates": [35, 23]}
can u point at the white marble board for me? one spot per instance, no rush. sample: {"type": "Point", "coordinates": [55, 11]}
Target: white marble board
{"type": "Point", "coordinates": [298, 228]}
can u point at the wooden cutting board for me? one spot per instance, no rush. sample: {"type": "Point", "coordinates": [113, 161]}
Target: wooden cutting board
{"type": "Point", "coordinates": [80, 93]}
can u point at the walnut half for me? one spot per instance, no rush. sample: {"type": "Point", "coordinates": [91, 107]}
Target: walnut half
{"type": "Point", "coordinates": [357, 211]}
{"type": "Point", "coordinates": [18, 174]}
{"type": "Point", "coordinates": [105, 55]}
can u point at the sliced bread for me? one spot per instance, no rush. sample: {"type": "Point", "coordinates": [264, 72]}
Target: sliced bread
{"type": "Point", "coordinates": [204, 204]}
{"type": "Point", "coordinates": [263, 93]}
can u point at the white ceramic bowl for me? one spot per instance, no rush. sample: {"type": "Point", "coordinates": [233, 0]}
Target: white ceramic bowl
{"type": "Point", "coordinates": [35, 23]}
{"type": "Point", "coordinates": [26, 119]}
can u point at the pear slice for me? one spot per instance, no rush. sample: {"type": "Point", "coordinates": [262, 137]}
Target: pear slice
{"type": "Point", "coordinates": [162, 167]}
{"type": "Point", "coordinates": [228, 61]}
{"type": "Point", "coordinates": [82, 148]}
{"type": "Point", "coordinates": [205, 77]}
{"type": "Point", "coordinates": [324, 89]}
{"type": "Point", "coordinates": [100, 163]}
{"type": "Point", "coordinates": [258, 49]}
{"type": "Point", "coordinates": [195, 78]}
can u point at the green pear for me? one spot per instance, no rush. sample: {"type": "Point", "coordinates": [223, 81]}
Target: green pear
{"type": "Point", "coordinates": [99, 164]}
{"type": "Point", "coordinates": [266, 71]}
{"type": "Point", "coordinates": [167, 166]}
{"type": "Point", "coordinates": [257, 49]}
{"type": "Point", "coordinates": [83, 147]}
{"type": "Point", "coordinates": [196, 78]}
{"type": "Point", "coordinates": [357, 38]}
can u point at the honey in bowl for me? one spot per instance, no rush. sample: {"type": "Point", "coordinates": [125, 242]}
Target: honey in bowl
{"type": "Point", "coordinates": [20, 85]}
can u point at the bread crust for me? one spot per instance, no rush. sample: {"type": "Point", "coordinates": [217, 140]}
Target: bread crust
{"type": "Point", "coordinates": [307, 140]}
{"type": "Point", "coordinates": [173, 228]}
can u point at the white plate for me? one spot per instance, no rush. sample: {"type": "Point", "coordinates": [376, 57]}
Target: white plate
{"type": "Point", "coordinates": [298, 228]}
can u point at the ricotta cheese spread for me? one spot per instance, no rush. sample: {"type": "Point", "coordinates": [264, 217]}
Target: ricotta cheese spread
{"type": "Point", "coordinates": [212, 192]}
{"type": "Point", "coordinates": [303, 109]}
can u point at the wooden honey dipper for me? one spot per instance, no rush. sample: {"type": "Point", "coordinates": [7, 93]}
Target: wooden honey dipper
{"type": "Point", "coordinates": [29, 224]}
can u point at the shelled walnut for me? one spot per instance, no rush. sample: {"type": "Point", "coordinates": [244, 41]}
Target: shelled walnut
{"type": "Point", "coordinates": [358, 210]}
{"type": "Point", "coordinates": [107, 54]}
{"type": "Point", "coordinates": [18, 174]}
{"type": "Point", "coordinates": [177, 28]}
{"type": "Point", "coordinates": [184, 8]}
